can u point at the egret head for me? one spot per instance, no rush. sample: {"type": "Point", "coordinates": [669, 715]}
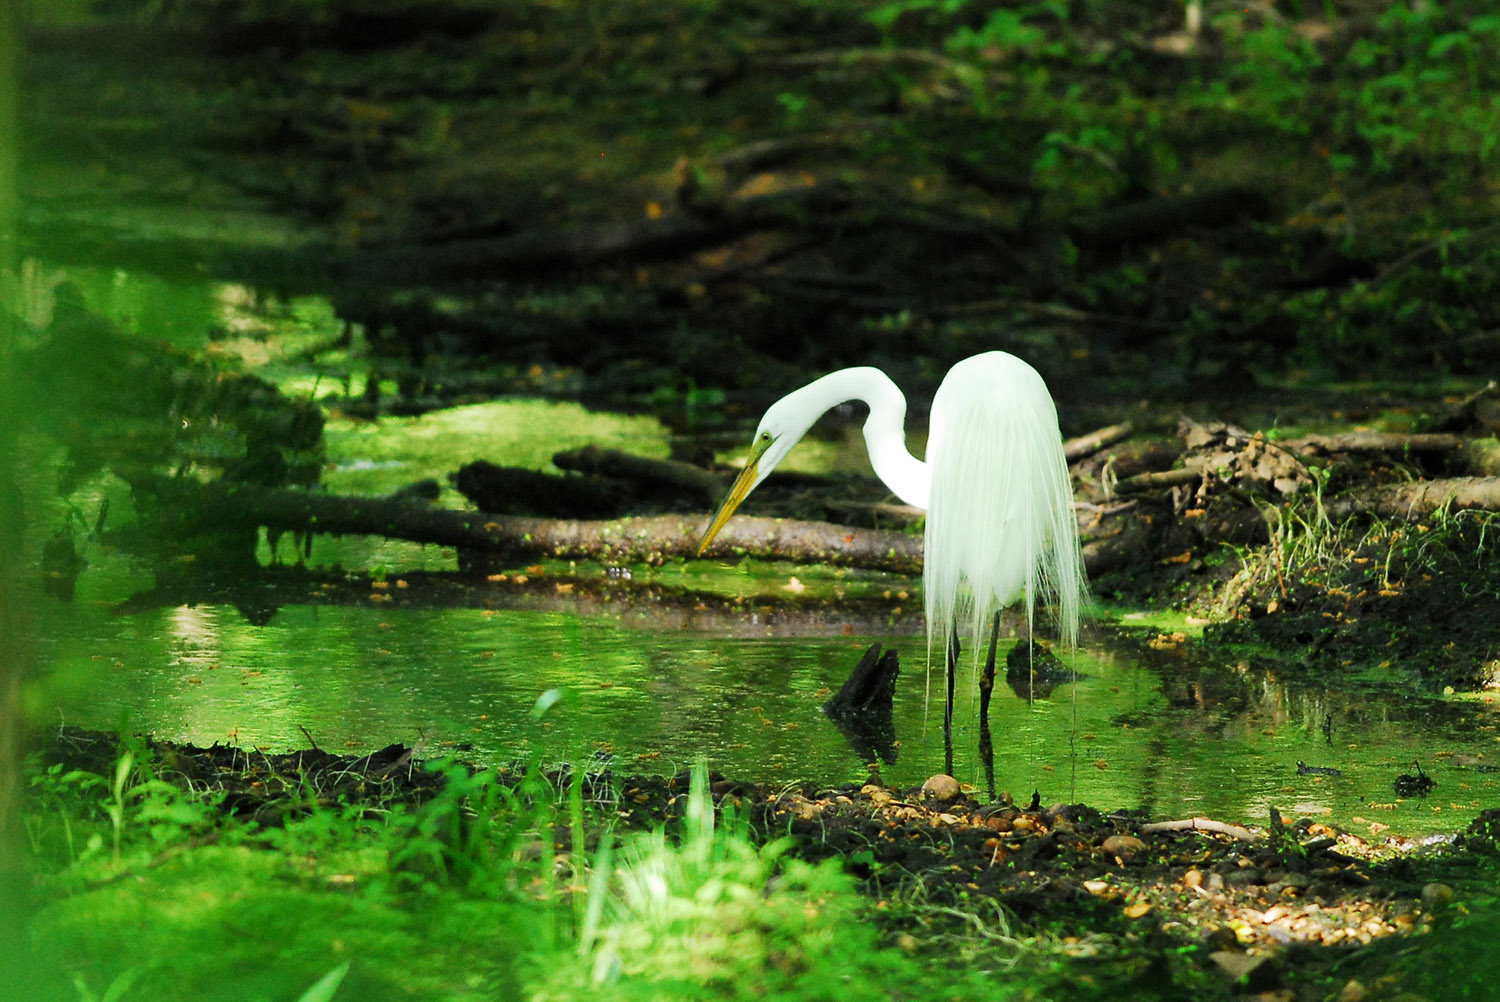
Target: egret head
{"type": "Point", "coordinates": [783, 427]}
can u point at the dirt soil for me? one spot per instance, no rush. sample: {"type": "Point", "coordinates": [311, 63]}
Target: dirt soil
{"type": "Point", "coordinates": [1301, 913]}
{"type": "Point", "coordinates": [1429, 612]}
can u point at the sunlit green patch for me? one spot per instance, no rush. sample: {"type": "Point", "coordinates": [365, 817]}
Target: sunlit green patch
{"type": "Point", "coordinates": [809, 582]}
{"type": "Point", "coordinates": [379, 457]}
{"type": "Point", "coordinates": [1167, 621]}
{"type": "Point", "coordinates": [458, 899]}
{"type": "Point", "coordinates": [252, 922]}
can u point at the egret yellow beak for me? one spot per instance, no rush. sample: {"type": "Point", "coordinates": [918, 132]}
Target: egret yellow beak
{"type": "Point", "coordinates": [737, 493]}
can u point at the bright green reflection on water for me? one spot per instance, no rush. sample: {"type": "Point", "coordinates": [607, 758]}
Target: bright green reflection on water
{"type": "Point", "coordinates": [466, 680]}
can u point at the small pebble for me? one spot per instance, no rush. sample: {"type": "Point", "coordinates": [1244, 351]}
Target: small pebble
{"type": "Point", "coordinates": [1126, 847]}
{"type": "Point", "coordinates": [809, 811]}
{"type": "Point", "coordinates": [1353, 991]}
{"type": "Point", "coordinates": [941, 786]}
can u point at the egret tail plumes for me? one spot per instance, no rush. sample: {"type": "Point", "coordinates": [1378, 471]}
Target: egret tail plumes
{"type": "Point", "coordinates": [1000, 522]}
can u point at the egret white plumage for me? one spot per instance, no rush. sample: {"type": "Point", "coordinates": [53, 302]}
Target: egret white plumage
{"type": "Point", "coordinates": [995, 484]}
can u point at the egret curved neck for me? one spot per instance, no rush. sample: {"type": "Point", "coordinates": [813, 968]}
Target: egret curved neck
{"type": "Point", "coordinates": [885, 431]}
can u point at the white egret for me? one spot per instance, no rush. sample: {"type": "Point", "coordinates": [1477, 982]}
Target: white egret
{"type": "Point", "coordinates": [995, 484]}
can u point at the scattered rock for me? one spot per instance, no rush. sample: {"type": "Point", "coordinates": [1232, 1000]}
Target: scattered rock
{"type": "Point", "coordinates": [941, 787]}
{"type": "Point", "coordinates": [1353, 991]}
{"type": "Point", "coordinates": [1123, 847]}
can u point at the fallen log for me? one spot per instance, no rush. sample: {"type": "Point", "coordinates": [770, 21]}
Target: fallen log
{"type": "Point", "coordinates": [1083, 445]}
{"type": "Point", "coordinates": [1375, 441]}
{"type": "Point", "coordinates": [508, 490]}
{"type": "Point", "coordinates": [177, 507]}
{"type": "Point", "coordinates": [1159, 478]}
{"type": "Point", "coordinates": [659, 475]}
{"type": "Point", "coordinates": [1197, 463]}
{"type": "Point", "coordinates": [1418, 499]}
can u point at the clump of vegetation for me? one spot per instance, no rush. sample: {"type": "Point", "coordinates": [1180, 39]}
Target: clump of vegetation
{"type": "Point", "coordinates": [487, 890]}
{"type": "Point", "coordinates": [1382, 594]}
{"type": "Point", "coordinates": [716, 911]}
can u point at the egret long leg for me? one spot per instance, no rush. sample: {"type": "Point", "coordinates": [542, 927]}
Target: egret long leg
{"type": "Point", "coordinates": [948, 703]}
{"type": "Point", "coordinates": [986, 689]}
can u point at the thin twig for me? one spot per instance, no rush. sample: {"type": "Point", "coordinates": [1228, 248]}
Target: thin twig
{"type": "Point", "coordinates": [1202, 825]}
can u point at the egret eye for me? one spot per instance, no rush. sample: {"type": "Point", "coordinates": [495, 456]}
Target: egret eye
{"type": "Point", "coordinates": [765, 436]}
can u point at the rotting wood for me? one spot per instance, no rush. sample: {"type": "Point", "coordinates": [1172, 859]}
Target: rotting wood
{"type": "Point", "coordinates": [1083, 445]}
{"type": "Point", "coordinates": [1360, 441]}
{"type": "Point", "coordinates": [1418, 499]}
{"type": "Point", "coordinates": [1159, 478]}
{"type": "Point", "coordinates": [507, 490]}
{"type": "Point", "coordinates": [1375, 441]}
{"type": "Point", "coordinates": [182, 505]}
{"type": "Point", "coordinates": [657, 473]}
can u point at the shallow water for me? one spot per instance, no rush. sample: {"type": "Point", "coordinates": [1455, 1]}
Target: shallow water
{"type": "Point", "coordinates": [1177, 732]}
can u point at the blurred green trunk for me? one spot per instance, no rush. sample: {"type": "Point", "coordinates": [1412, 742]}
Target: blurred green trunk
{"type": "Point", "coordinates": [13, 628]}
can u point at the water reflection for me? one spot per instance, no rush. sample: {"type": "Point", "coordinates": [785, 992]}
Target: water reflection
{"type": "Point", "coordinates": [1172, 734]}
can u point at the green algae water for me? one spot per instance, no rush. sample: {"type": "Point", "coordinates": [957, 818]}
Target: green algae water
{"type": "Point", "coordinates": [1172, 730]}
{"type": "Point", "coordinates": [1173, 737]}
